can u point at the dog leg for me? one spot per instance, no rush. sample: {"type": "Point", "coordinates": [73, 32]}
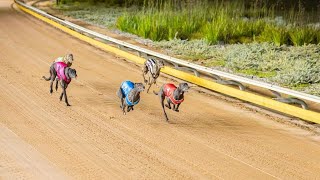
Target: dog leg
{"type": "Point", "coordinates": [123, 106]}
{"type": "Point", "coordinates": [57, 81]}
{"type": "Point", "coordinates": [61, 96]}
{"type": "Point", "coordinates": [148, 88]}
{"type": "Point", "coordinates": [144, 72]}
{"type": "Point", "coordinates": [177, 109]}
{"type": "Point", "coordinates": [64, 92]}
{"type": "Point", "coordinates": [129, 108]}
{"type": "Point", "coordinates": [51, 84]}
{"type": "Point", "coordinates": [162, 97]}
{"type": "Point", "coordinates": [168, 105]}
{"type": "Point", "coordinates": [65, 97]}
{"type": "Point", "coordinates": [52, 78]}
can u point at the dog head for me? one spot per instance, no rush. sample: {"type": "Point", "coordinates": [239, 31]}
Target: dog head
{"type": "Point", "coordinates": [139, 86]}
{"type": "Point", "coordinates": [160, 64]}
{"type": "Point", "coordinates": [184, 87]}
{"type": "Point", "coordinates": [72, 73]}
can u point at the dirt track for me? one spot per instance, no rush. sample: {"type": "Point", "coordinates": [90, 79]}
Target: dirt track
{"type": "Point", "coordinates": [41, 138]}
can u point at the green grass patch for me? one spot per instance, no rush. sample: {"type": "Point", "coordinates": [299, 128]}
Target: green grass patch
{"type": "Point", "coordinates": [260, 74]}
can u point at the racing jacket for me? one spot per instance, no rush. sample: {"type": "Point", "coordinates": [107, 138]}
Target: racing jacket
{"type": "Point", "coordinates": [126, 87]}
{"type": "Point", "coordinates": [168, 91]}
{"type": "Point", "coordinates": [60, 67]}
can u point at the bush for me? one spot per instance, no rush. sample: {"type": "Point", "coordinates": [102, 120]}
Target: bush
{"type": "Point", "coordinates": [275, 34]}
{"type": "Point", "coordinates": [303, 35]}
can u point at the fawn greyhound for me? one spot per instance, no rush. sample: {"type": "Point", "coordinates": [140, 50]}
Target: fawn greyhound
{"type": "Point", "coordinates": [64, 74]}
{"type": "Point", "coordinates": [173, 94]}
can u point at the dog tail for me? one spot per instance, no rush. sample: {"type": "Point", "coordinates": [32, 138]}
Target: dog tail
{"type": "Point", "coordinates": [47, 79]}
{"type": "Point", "coordinates": [155, 93]}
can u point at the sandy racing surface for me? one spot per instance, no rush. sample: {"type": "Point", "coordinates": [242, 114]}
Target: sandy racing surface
{"type": "Point", "coordinates": [41, 138]}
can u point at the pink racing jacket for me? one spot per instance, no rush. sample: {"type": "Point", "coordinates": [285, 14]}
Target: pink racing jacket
{"type": "Point", "coordinates": [59, 67]}
{"type": "Point", "coordinates": [168, 91]}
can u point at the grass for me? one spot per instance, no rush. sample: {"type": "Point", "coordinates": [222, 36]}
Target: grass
{"type": "Point", "coordinates": [260, 74]}
{"type": "Point", "coordinates": [221, 22]}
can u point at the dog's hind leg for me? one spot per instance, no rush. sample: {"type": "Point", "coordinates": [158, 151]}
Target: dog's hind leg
{"type": "Point", "coordinates": [123, 106]}
{"type": "Point", "coordinates": [51, 83]}
{"type": "Point", "coordinates": [150, 84]}
{"type": "Point", "coordinates": [57, 81]}
{"type": "Point", "coordinates": [61, 96]}
{"type": "Point", "coordinates": [149, 88]}
{"type": "Point", "coordinates": [162, 97]}
{"type": "Point", "coordinates": [168, 105]}
{"type": "Point", "coordinates": [53, 76]}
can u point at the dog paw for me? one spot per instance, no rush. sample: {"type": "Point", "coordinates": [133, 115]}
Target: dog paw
{"type": "Point", "coordinates": [51, 91]}
{"type": "Point", "coordinates": [167, 106]}
{"type": "Point", "coordinates": [68, 105]}
{"type": "Point", "coordinates": [146, 81]}
{"type": "Point", "coordinates": [176, 110]}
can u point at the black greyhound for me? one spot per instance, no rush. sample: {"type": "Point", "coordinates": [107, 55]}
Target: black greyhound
{"type": "Point", "coordinates": [174, 95]}
{"type": "Point", "coordinates": [64, 74]}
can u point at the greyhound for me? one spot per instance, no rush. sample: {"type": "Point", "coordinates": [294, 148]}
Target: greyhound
{"type": "Point", "coordinates": [173, 94]}
{"type": "Point", "coordinates": [129, 94]}
{"type": "Point", "coordinates": [152, 68]}
{"type": "Point", "coordinates": [65, 74]}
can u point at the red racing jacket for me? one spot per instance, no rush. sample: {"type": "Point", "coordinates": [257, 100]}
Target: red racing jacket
{"type": "Point", "coordinates": [168, 91]}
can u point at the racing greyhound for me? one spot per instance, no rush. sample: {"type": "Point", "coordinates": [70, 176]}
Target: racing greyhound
{"type": "Point", "coordinates": [173, 94]}
{"type": "Point", "coordinates": [152, 68]}
{"type": "Point", "coordinates": [129, 94]}
{"type": "Point", "coordinates": [65, 74]}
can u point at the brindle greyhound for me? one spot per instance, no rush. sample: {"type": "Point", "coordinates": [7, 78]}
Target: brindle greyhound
{"type": "Point", "coordinates": [151, 68]}
{"type": "Point", "coordinates": [173, 94]}
{"type": "Point", "coordinates": [129, 94]}
{"type": "Point", "coordinates": [64, 74]}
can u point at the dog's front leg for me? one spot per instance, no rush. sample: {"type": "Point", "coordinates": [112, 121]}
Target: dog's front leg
{"type": "Point", "coordinates": [65, 97]}
{"type": "Point", "coordinates": [64, 92]}
{"type": "Point", "coordinates": [149, 88]}
{"type": "Point", "coordinates": [177, 109]}
{"type": "Point", "coordinates": [129, 108]}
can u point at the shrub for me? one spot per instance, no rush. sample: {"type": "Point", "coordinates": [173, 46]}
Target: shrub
{"type": "Point", "coordinates": [303, 35]}
{"type": "Point", "coordinates": [275, 34]}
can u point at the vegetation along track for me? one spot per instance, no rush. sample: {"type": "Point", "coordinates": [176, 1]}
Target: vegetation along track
{"type": "Point", "coordinates": [41, 138]}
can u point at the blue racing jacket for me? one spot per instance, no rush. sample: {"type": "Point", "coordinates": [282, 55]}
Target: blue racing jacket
{"type": "Point", "coordinates": [126, 87]}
